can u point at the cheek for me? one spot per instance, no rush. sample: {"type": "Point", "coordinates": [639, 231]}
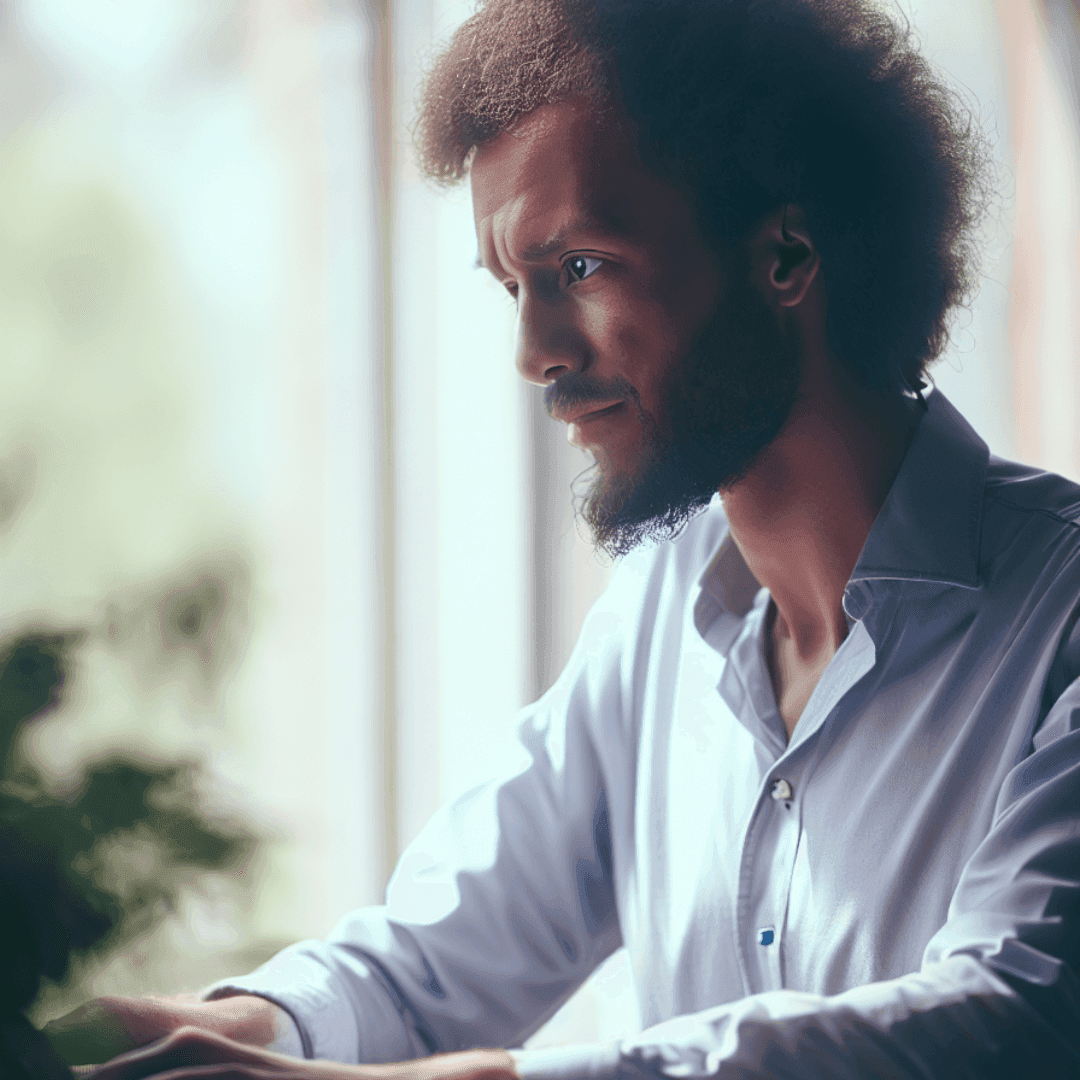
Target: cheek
{"type": "Point", "coordinates": [650, 349]}
{"type": "Point", "coordinates": [684, 291]}
{"type": "Point", "coordinates": [636, 340]}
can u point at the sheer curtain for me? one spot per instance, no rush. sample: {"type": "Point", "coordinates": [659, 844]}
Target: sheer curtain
{"type": "Point", "coordinates": [1039, 42]}
{"type": "Point", "coordinates": [192, 406]}
{"type": "Point", "coordinates": [492, 577]}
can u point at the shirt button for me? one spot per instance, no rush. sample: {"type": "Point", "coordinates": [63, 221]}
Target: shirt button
{"type": "Point", "coordinates": [766, 935]}
{"type": "Point", "coordinates": [781, 790]}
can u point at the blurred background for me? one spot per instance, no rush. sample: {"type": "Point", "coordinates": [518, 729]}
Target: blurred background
{"type": "Point", "coordinates": [262, 441]}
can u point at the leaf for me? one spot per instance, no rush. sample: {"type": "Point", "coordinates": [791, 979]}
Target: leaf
{"type": "Point", "coordinates": [33, 671]}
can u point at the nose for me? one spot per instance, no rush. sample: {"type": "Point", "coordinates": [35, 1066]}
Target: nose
{"type": "Point", "coordinates": [548, 343]}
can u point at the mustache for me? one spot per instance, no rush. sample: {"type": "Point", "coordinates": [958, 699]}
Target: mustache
{"type": "Point", "coordinates": [578, 388]}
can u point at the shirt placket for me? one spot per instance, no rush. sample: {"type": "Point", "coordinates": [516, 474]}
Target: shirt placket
{"type": "Point", "coordinates": [775, 841]}
{"type": "Point", "coordinates": [772, 835]}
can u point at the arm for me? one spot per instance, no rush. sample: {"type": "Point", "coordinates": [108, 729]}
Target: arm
{"type": "Point", "coordinates": [496, 913]}
{"type": "Point", "coordinates": [107, 1026]}
{"type": "Point", "coordinates": [499, 909]}
{"type": "Point", "coordinates": [222, 1059]}
{"type": "Point", "coordinates": [997, 994]}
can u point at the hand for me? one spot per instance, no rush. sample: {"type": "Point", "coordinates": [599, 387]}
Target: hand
{"type": "Point", "coordinates": [107, 1026]}
{"type": "Point", "coordinates": [191, 1054]}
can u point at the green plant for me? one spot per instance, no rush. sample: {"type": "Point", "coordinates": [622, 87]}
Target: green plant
{"type": "Point", "coordinates": [82, 873]}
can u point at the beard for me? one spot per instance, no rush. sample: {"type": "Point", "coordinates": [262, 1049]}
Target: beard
{"type": "Point", "coordinates": [723, 404]}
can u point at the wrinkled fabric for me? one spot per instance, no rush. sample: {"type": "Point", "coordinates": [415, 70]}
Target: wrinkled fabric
{"type": "Point", "coordinates": [892, 893]}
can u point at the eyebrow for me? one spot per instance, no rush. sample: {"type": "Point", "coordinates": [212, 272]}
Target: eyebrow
{"type": "Point", "coordinates": [535, 252]}
{"type": "Point", "coordinates": [544, 248]}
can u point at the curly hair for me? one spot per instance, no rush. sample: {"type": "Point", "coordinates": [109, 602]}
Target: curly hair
{"type": "Point", "coordinates": [747, 105]}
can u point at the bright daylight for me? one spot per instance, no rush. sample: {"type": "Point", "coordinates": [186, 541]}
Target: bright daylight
{"type": "Point", "coordinates": [539, 539]}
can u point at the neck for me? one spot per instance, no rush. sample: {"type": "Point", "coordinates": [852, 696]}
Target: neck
{"type": "Point", "coordinates": [802, 514]}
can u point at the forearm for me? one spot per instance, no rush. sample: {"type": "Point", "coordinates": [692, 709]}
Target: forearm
{"type": "Point", "coordinates": [190, 1054]}
{"type": "Point", "coordinates": [249, 1020]}
{"type": "Point", "coordinates": [472, 949]}
{"type": "Point", "coordinates": [107, 1026]}
{"type": "Point", "coordinates": [955, 1019]}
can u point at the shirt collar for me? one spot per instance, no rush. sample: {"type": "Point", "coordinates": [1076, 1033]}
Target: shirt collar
{"type": "Point", "coordinates": [927, 530]}
{"type": "Point", "coordinates": [727, 583]}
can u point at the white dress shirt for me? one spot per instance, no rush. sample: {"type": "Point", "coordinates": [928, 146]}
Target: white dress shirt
{"type": "Point", "coordinates": [893, 893]}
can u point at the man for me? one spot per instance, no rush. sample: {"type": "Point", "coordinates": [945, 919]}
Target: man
{"type": "Point", "coordinates": [813, 760]}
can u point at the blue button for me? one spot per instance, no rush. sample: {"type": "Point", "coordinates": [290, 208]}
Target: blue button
{"type": "Point", "coordinates": [765, 936]}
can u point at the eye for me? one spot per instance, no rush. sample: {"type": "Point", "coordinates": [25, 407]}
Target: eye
{"type": "Point", "coordinates": [581, 266]}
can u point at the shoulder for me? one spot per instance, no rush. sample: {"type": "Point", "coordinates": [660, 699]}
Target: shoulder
{"type": "Point", "coordinates": [1030, 559]}
{"type": "Point", "coordinates": [1031, 518]}
{"type": "Point", "coordinates": [1026, 490]}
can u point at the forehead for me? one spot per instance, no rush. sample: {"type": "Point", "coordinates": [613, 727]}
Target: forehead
{"type": "Point", "coordinates": [563, 164]}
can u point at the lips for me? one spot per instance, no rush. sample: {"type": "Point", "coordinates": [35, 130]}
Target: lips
{"type": "Point", "coordinates": [580, 417]}
{"type": "Point", "coordinates": [585, 411]}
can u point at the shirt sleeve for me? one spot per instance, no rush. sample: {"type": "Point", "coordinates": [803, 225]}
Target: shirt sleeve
{"type": "Point", "coordinates": [997, 994]}
{"type": "Point", "coordinates": [495, 914]}
{"type": "Point", "coordinates": [286, 1038]}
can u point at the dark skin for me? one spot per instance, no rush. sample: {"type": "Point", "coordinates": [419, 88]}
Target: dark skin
{"type": "Point", "coordinates": [612, 275]}
{"type": "Point", "coordinates": [802, 514]}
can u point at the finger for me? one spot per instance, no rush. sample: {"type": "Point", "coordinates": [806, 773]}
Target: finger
{"type": "Point", "coordinates": [90, 1033]}
{"type": "Point", "coordinates": [184, 1048]}
{"type": "Point", "coordinates": [227, 1072]}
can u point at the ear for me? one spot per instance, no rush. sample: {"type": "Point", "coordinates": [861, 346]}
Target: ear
{"type": "Point", "coordinates": [783, 259]}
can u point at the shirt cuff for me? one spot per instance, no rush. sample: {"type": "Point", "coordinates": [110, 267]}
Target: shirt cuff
{"type": "Point", "coordinates": [287, 1038]}
{"type": "Point", "coordinates": [588, 1061]}
{"type": "Point", "coordinates": [320, 1006]}
{"type": "Point", "coordinates": [326, 992]}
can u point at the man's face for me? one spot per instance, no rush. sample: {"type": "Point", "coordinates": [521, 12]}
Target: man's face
{"type": "Point", "coordinates": [667, 365]}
